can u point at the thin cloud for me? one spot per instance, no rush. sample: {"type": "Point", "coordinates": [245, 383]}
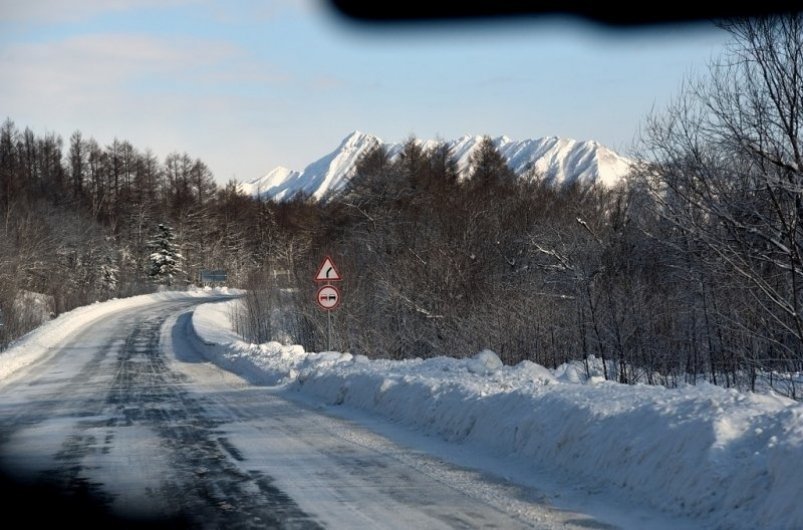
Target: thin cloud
{"type": "Point", "coordinates": [59, 10]}
{"type": "Point", "coordinates": [85, 65]}
{"type": "Point", "coordinates": [327, 82]}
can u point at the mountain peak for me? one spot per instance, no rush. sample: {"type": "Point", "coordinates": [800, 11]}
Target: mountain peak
{"type": "Point", "coordinates": [357, 138]}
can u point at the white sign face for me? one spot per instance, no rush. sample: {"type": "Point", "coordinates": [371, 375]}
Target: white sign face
{"type": "Point", "coordinates": [327, 272]}
{"type": "Point", "coordinates": [328, 297]}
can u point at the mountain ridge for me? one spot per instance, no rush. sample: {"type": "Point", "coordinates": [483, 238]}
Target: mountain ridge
{"type": "Point", "coordinates": [559, 160]}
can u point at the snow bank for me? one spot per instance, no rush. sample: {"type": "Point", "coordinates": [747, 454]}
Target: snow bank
{"type": "Point", "coordinates": [44, 339]}
{"type": "Point", "coordinates": [729, 459]}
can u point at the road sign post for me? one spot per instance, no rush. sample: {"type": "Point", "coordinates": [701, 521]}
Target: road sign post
{"type": "Point", "coordinates": [328, 299]}
{"type": "Point", "coordinates": [328, 296]}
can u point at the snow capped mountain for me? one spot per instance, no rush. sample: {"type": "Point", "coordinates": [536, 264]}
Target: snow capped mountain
{"type": "Point", "coordinates": [328, 173]}
{"type": "Point", "coordinates": [560, 160]}
{"type": "Point", "coordinates": [272, 179]}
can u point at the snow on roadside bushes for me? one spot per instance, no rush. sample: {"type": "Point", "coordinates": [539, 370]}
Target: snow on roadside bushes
{"type": "Point", "coordinates": [41, 341]}
{"type": "Point", "coordinates": [730, 459]}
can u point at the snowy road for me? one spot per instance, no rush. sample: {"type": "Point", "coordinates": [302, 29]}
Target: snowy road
{"type": "Point", "coordinates": [126, 413]}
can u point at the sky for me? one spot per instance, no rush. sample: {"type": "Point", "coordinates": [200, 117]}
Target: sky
{"type": "Point", "coordinates": [248, 85]}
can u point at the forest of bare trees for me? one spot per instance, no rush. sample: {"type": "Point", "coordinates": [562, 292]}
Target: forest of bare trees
{"type": "Point", "coordinates": [78, 222]}
{"type": "Point", "coordinates": [690, 270]}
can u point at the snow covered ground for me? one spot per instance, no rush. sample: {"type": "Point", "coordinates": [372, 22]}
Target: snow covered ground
{"type": "Point", "coordinates": [724, 458]}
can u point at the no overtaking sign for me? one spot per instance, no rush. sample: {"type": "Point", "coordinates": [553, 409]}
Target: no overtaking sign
{"type": "Point", "coordinates": [328, 296]}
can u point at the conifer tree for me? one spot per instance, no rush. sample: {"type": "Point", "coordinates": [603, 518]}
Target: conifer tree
{"type": "Point", "coordinates": [488, 166]}
{"type": "Point", "coordinates": [164, 262]}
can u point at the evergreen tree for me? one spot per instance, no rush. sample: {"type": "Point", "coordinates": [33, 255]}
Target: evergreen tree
{"type": "Point", "coordinates": [372, 177]}
{"type": "Point", "coordinates": [164, 263]}
{"type": "Point", "coordinates": [488, 166]}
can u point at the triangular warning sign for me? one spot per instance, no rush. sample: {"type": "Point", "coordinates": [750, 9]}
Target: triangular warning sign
{"type": "Point", "coordinates": [327, 272]}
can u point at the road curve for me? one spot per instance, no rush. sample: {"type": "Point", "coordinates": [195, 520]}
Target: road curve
{"type": "Point", "coordinates": [126, 424]}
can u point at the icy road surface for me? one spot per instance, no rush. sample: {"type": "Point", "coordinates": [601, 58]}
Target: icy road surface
{"type": "Point", "coordinates": [127, 414]}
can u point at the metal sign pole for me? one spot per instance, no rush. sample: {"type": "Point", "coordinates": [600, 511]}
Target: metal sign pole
{"type": "Point", "coordinates": [328, 296]}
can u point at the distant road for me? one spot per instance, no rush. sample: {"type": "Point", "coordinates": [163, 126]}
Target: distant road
{"type": "Point", "coordinates": [126, 424]}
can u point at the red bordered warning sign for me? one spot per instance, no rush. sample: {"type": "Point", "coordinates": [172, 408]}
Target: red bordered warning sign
{"type": "Point", "coordinates": [327, 272]}
{"type": "Point", "coordinates": [328, 297]}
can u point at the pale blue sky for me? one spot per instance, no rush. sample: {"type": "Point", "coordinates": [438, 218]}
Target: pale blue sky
{"type": "Point", "coordinates": [249, 85]}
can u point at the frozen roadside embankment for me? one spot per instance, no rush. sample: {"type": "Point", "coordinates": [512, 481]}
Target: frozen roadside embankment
{"type": "Point", "coordinates": [725, 458]}
{"type": "Point", "coordinates": [40, 342]}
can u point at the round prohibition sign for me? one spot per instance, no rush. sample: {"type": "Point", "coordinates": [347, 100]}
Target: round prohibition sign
{"type": "Point", "coordinates": [328, 297]}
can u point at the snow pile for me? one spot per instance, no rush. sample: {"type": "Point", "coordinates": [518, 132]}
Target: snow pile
{"type": "Point", "coordinates": [729, 459]}
{"type": "Point", "coordinates": [44, 339]}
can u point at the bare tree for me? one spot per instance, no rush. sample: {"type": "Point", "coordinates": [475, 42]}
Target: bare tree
{"type": "Point", "coordinates": [727, 171]}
